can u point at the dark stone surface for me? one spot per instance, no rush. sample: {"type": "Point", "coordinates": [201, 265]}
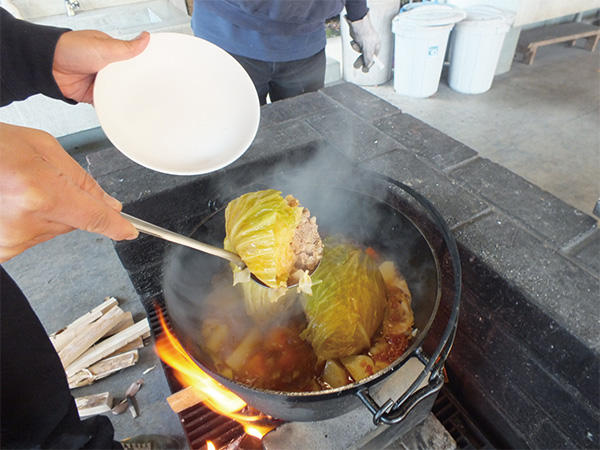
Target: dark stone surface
{"type": "Point", "coordinates": [588, 252]}
{"type": "Point", "coordinates": [505, 345]}
{"type": "Point", "coordinates": [490, 389]}
{"type": "Point", "coordinates": [480, 385]}
{"type": "Point", "coordinates": [277, 139]}
{"type": "Point", "coordinates": [562, 290]}
{"type": "Point", "coordinates": [354, 137]}
{"type": "Point", "coordinates": [136, 182]}
{"type": "Point", "coordinates": [147, 281]}
{"type": "Point", "coordinates": [108, 160]}
{"type": "Point", "coordinates": [539, 210]}
{"type": "Point", "coordinates": [546, 435]}
{"type": "Point", "coordinates": [85, 141]}
{"type": "Point", "coordinates": [130, 182]}
{"type": "Point", "coordinates": [425, 141]}
{"type": "Point", "coordinates": [455, 203]}
{"type": "Point", "coordinates": [573, 418]}
{"type": "Point", "coordinates": [490, 300]}
{"type": "Point", "coordinates": [146, 250]}
{"type": "Point", "coordinates": [359, 101]}
{"type": "Point", "coordinates": [547, 341]}
{"type": "Point", "coordinates": [297, 107]}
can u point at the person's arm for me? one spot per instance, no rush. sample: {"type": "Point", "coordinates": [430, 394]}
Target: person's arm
{"type": "Point", "coordinates": [365, 38]}
{"type": "Point", "coordinates": [356, 9]}
{"type": "Point", "coordinates": [26, 57]}
{"type": "Point", "coordinates": [43, 191]}
{"type": "Point", "coordinates": [56, 62]}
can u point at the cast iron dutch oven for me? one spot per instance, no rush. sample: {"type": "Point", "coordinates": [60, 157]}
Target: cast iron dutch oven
{"type": "Point", "coordinates": [366, 207]}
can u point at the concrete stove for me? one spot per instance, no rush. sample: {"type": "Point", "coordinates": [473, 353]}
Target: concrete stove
{"type": "Point", "coordinates": [526, 358]}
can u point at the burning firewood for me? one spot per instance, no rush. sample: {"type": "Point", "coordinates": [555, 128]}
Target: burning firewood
{"type": "Point", "coordinates": [184, 399]}
{"type": "Point", "coordinates": [101, 342]}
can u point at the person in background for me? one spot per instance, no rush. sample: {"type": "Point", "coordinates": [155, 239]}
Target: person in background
{"type": "Point", "coordinates": [281, 43]}
{"type": "Point", "coordinates": [44, 193]}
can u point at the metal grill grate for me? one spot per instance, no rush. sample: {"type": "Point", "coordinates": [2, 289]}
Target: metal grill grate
{"type": "Point", "coordinates": [459, 424]}
{"type": "Point", "coordinates": [201, 424]}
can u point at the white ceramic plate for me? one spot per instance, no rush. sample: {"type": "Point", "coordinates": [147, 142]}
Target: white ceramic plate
{"type": "Point", "coordinates": [183, 106]}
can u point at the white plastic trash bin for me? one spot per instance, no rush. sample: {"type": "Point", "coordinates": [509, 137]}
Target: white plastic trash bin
{"type": "Point", "coordinates": [381, 13]}
{"type": "Point", "coordinates": [475, 46]}
{"type": "Point", "coordinates": [421, 34]}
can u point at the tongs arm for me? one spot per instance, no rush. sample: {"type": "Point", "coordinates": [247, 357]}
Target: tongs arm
{"type": "Point", "coordinates": [163, 233]}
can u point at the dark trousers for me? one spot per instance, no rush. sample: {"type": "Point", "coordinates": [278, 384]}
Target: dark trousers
{"type": "Point", "coordinates": [285, 79]}
{"type": "Point", "coordinates": [38, 410]}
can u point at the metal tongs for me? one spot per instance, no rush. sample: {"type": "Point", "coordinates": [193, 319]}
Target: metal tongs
{"type": "Point", "coordinates": [163, 233]}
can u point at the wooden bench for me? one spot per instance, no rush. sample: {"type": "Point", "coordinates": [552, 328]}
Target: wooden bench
{"type": "Point", "coordinates": [531, 40]}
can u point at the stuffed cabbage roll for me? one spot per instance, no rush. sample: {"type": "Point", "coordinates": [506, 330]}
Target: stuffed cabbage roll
{"type": "Point", "coordinates": [275, 237]}
{"type": "Point", "coordinates": [348, 302]}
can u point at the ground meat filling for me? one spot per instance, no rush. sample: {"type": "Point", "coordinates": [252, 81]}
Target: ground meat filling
{"type": "Point", "coordinates": [306, 244]}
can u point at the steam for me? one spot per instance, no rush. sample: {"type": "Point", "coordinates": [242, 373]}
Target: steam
{"type": "Point", "coordinates": [344, 201]}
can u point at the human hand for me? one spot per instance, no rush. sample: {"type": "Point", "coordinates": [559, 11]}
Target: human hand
{"type": "Point", "coordinates": [44, 193]}
{"type": "Point", "coordinates": [365, 41]}
{"type": "Point", "coordinates": [79, 55]}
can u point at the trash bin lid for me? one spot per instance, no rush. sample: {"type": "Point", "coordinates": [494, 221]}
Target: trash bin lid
{"type": "Point", "coordinates": [429, 15]}
{"type": "Point", "coordinates": [486, 15]}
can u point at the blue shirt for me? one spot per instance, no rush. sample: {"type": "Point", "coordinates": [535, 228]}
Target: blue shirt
{"type": "Point", "coordinates": [269, 30]}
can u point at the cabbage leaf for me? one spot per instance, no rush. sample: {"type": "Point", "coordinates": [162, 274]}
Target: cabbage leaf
{"type": "Point", "coordinates": [348, 301]}
{"type": "Point", "coordinates": [259, 228]}
{"type": "Point", "coordinates": [265, 304]}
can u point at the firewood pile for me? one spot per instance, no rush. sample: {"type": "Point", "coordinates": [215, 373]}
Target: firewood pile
{"type": "Point", "coordinates": [99, 343]}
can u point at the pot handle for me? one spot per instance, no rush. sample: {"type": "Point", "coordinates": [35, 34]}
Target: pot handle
{"type": "Point", "coordinates": [393, 412]}
{"type": "Point", "coordinates": [399, 410]}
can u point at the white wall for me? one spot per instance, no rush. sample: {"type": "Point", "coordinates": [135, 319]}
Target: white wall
{"type": "Point", "coordinates": [31, 9]}
{"type": "Point", "coordinates": [59, 118]}
{"type": "Point", "coordinates": [530, 11]}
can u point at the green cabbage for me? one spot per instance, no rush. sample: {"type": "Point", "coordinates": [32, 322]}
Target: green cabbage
{"type": "Point", "coordinates": [259, 227]}
{"type": "Point", "coordinates": [265, 304]}
{"type": "Point", "coordinates": [348, 302]}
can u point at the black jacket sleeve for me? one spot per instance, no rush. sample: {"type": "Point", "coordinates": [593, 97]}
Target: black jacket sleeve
{"type": "Point", "coordinates": [356, 9]}
{"type": "Point", "coordinates": [26, 55]}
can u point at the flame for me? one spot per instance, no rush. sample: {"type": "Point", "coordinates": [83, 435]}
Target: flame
{"type": "Point", "coordinates": [257, 431]}
{"type": "Point", "coordinates": [210, 446]}
{"type": "Point", "coordinates": [216, 396]}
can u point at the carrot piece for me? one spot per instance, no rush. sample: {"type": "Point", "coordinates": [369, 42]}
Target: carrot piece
{"type": "Point", "coordinates": [372, 253]}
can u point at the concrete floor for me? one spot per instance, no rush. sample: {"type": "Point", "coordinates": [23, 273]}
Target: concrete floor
{"type": "Point", "coordinates": [540, 121]}
{"type": "Point", "coordinates": [68, 276]}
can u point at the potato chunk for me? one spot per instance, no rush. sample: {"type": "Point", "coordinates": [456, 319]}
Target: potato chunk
{"type": "Point", "coordinates": [244, 350]}
{"type": "Point", "coordinates": [334, 374]}
{"type": "Point", "coordinates": [359, 366]}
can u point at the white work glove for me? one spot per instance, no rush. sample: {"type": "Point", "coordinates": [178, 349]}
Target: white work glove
{"type": "Point", "coordinates": [365, 41]}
